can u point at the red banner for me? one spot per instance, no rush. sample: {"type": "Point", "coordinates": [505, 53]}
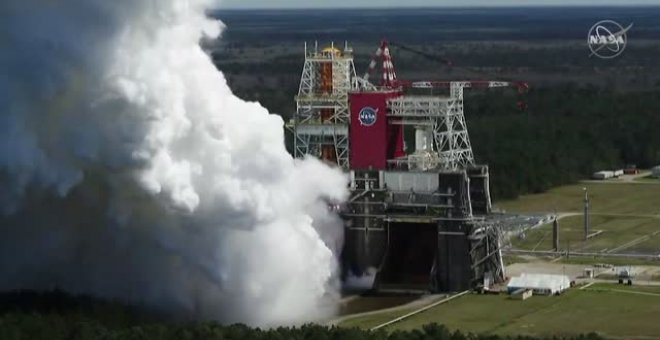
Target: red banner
{"type": "Point", "coordinates": [372, 139]}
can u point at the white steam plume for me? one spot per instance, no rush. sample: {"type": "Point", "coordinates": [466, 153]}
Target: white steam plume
{"type": "Point", "coordinates": [129, 170]}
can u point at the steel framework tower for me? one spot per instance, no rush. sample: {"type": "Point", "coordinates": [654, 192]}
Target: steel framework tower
{"type": "Point", "coordinates": [439, 121]}
{"type": "Point", "coordinates": [321, 122]}
{"type": "Point", "coordinates": [441, 133]}
{"type": "Point", "coordinates": [441, 118]}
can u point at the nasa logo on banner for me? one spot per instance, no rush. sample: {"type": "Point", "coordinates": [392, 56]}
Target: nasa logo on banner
{"type": "Point", "coordinates": [607, 39]}
{"type": "Point", "coordinates": [368, 116]}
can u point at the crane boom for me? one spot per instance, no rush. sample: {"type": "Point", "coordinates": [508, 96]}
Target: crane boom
{"type": "Point", "coordinates": [389, 77]}
{"type": "Point", "coordinates": [429, 56]}
{"type": "Point", "coordinates": [476, 84]}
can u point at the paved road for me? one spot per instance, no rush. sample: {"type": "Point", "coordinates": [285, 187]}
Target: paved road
{"type": "Point", "coordinates": [422, 302]}
{"type": "Point", "coordinates": [578, 253]}
{"type": "Point", "coordinates": [625, 179]}
{"type": "Point", "coordinates": [421, 310]}
{"type": "Point", "coordinates": [590, 282]}
{"type": "Point", "coordinates": [632, 178]}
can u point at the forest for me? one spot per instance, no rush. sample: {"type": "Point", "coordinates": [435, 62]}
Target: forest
{"type": "Point", "coordinates": [567, 133]}
{"type": "Point", "coordinates": [57, 315]}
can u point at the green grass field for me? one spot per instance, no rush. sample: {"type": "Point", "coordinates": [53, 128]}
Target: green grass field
{"type": "Point", "coordinates": [614, 198]}
{"type": "Point", "coordinates": [617, 233]}
{"type": "Point", "coordinates": [373, 320]}
{"type": "Point", "coordinates": [624, 288]}
{"type": "Point", "coordinates": [611, 310]}
{"type": "Point", "coordinates": [626, 212]}
{"type": "Point", "coordinates": [614, 261]}
{"type": "Point", "coordinates": [648, 179]}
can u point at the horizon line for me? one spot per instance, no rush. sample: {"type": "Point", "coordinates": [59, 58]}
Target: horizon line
{"type": "Point", "coordinates": [446, 7]}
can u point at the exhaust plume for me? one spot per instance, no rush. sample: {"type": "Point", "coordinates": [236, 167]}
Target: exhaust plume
{"type": "Point", "coordinates": [129, 170]}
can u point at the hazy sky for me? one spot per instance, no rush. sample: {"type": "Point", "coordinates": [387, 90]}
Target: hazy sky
{"type": "Point", "coordinates": [420, 3]}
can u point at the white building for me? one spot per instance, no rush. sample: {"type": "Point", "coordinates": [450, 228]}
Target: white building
{"type": "Point", "coordinates": [603, 175]}
{"type": "Point", "coordinates": [541, 284]}
{"type": "Point", "coordinates": [656, 171]}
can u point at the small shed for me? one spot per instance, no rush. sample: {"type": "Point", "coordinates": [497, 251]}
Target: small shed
{"type": "Point", "coordinates": [522, 294]}
{"type": "Point", "coordinates": [602, 175]}
{"type": "Point", "coordinates": [589, 273]}
{"type": "Point", "coordinates": [655, 172]}
{"type": "Point", "coordinates": [540, 284]}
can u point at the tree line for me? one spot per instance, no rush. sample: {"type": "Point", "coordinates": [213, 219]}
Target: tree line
{"type": "Point", "coordinates": [567, 133]}
{"type": "Point", "coordinates": [56, 315]}
{"type": "Point", "coordinates": [37, 327]}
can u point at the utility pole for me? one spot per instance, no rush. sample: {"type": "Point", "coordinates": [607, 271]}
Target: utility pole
{"type": "Point", "coordinates": [586, 214]}
{"type": "Point", "coordinates": [555, 233]}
